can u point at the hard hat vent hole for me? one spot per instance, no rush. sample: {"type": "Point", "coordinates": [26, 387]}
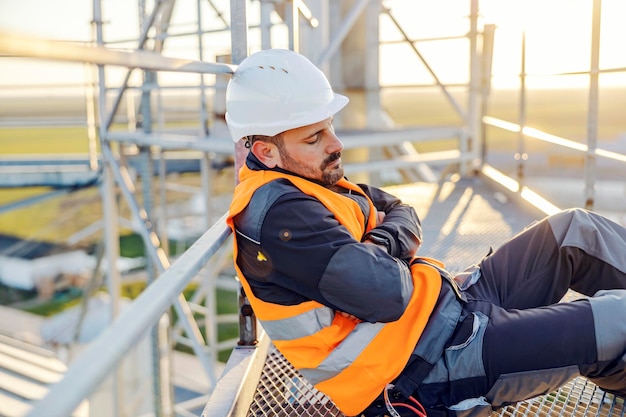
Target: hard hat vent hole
{"type": "Point", "coordinates": [274, 68]}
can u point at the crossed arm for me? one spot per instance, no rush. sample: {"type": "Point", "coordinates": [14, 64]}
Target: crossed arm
{"type": "Point", "coordinates": [311, 256]}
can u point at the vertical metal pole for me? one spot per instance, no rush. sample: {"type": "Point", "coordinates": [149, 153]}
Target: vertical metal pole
{"type": "Point", "coordinates": [92, 131]}
{"type": "Point", "coordinates": [520, 155]}
{"type": "Point", "coordinates": [110, 212]}
{"type": "Point", "coordinates": [334, 66]}
{"type": "Point", "coordinates": [375, 116]}
{"type": "Point", "coordinates": [239, 45]}
{"type": "Point", "coordinates": [162, 224]}
{"type": "Point", "coordinates": [592, 117]}
{"type": "Point", "coordinates": [112, 248]}
{"type": "Point", "coordinates": [473, 113]}
{"type": "Point", "coordinates": [146, 171]}
{"type": "Point", "coordinates": [210, 329]}
{"type": "Point", "coordinates": [294, 38]}
{"type": "Point", "coordinates": [318, 40]}
{"type": "Point", "coordinates": [487, 58]}
{"type": "Point", "coordinates": [267, 7]}
{"type": "Point", "coordinates": [206, 174]}
{"type": "Point", "coordinates": [162, 401]}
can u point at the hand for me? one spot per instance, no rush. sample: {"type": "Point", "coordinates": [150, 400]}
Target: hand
{"type": "Point", "coordinates": [380, 215]}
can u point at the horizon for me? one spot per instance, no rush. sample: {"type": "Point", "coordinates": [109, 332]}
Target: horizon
{"type": "Point", "coordinates": [33, 92]}
{"type": "Point", "coordinates": [35, 102]}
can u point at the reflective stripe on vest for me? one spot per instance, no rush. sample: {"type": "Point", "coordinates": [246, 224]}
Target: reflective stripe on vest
{"type": "Point", "coordinates": [344, 354]}
{"type": "Point", "coordinates": [301, 325]}
{"type": "Point", "coordinates": [313, 321]}
{"type": "Point", "coordinates": [348, 360]}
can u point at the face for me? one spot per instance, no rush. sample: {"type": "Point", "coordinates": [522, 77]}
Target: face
{"type": "Point", "coordinates": [312, 151]}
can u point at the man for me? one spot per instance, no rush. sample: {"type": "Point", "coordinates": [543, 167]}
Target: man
{"type": "Point", "coordinates": [330, 268]}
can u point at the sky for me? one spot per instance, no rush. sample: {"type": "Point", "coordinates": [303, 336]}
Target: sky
{"type": "Point", "coordinates": [558, 37]}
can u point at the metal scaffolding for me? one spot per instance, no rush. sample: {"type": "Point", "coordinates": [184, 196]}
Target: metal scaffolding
{"type": "Point", "coordinates": [342, 38]}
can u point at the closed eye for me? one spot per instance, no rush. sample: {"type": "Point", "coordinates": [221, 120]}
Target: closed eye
{"type": "Point", "coordinates": [311, 140]}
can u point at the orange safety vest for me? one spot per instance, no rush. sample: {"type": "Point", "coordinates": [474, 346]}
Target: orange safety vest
{"type": "Point", "coordinates": [348, 360]}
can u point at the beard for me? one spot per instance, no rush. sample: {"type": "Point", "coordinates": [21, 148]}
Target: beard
{"type": "Point", "coordinates": [333, 175]}
{"type": "Point", "coordinates": [323, 174]}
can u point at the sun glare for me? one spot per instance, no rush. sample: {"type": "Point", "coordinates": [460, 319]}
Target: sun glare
{"type": "Point", "coordinates": [557, 36]}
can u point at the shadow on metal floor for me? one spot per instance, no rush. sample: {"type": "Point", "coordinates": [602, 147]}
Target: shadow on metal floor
{"type": "Point", "coordinates": [461, 220]}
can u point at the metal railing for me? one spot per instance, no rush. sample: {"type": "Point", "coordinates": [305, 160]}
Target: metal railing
{"type": "Point", "coordinates": [588, 148]}
{"type": "Point", "coordinates": [100, 358]}
{"type": "Point", "coordinates": [528, 132]}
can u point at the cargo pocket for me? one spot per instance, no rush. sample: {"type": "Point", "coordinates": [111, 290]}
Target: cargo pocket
{"type": "Point", "coordinates": [464, 357]}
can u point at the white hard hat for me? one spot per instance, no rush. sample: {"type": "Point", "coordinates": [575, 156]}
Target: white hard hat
{"type": "Point", "coordinates": [275, 90]}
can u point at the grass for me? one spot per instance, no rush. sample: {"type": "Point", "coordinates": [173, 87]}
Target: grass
{"type": "Point", "coordinates": [61, 301]}
{"type": "Point", "coordinates": [53, 220]}
{"type": "Point", "coordinates": [40, 221]}
{"type": "Point", "coordinates": [43, 140]}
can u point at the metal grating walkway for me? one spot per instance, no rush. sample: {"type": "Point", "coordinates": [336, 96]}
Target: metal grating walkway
{"type": "Point", "coordinates": [281, 392]}
{"type": "Point", "coordinates": [461, 220]}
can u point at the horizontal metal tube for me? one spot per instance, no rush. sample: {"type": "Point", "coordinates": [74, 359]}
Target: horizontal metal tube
{"type": "Point", "coordinates": [31, 47]}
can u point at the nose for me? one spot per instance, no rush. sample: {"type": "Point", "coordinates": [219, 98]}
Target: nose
{"type": "Point", "coordinates": [334, 143]}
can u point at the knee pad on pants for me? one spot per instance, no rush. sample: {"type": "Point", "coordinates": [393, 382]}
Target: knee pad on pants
{"type": "Point", "coordinates": [609, 313]}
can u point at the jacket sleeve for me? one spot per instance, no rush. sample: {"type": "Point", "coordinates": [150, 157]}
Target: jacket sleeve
{"type": "Point", "coordinates": [401, 227]}
{"type": "Point", "coordinates": [302, 252]}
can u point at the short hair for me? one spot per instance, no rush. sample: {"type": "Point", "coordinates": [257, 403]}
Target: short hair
{"type": "Point", "coordinates": [276, 140]}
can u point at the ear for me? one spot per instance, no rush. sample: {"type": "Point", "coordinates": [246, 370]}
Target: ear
{"type": "Point", "coordinates": [266, 152]}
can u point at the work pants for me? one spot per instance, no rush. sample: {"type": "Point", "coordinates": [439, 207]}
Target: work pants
{"type": "Point", "coordinates": [515, 339]}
